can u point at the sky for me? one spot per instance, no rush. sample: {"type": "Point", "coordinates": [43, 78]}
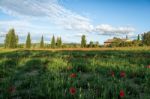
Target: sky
{"type": "Point", "coordinates": [99, 20]}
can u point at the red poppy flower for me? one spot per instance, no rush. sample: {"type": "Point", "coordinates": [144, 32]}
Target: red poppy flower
{"type": "Point", "coordinates": [122, 94]}
{"type": "Point", "coordinates": [122, 74]}
{"type": "Point", "coordinates": [11, 89]}
{"type": "Point", "coordinates": [72, 90]}
{"type": "Point", "coordinates": [73, 75]}
{"type": "Point", "coordinates": [112, 74]}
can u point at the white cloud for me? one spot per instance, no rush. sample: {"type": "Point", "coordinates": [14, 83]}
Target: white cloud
{"type": "Point", "coordinates": [23, 26]}
{"type": "Point", "coordinates": [52, 12]}
{"type": "Point", "coordinates": [106, 29]}
{"type": "Point", "coordinates": [30, 9]}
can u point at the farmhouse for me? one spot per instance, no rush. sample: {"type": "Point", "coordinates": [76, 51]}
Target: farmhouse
{"type": "Point", "coordinates": [111, 41]}
{"type": "Point", "coordinates": [108, 42]}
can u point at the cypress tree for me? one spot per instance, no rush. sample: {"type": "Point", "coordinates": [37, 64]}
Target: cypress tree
{"type": "Point", "coordinates": [146, 38]}
{"type": "Point", "coordinates": [138, 38]}
{"type": "Point", "coordinates": [11, 40]}
{"type": "Point", "coordinates": [6, 42]}
{"type": "Point", "coordinates": [59, 42]}
{"type": "Point", "coordinates": [53, 44]}
{"type": "Point", "coordinates": [126, 37]}
{"type": "Point", "coordinates": [83, 41]}
{"type": "Point", "coordinates": [42, 42]}
{"type": "Point", "coordinates": [17, 40]}
{"type": "Point", "coordinates": [28, 41]}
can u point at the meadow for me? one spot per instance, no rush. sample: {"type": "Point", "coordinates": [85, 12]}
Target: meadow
{"type": "Point", "coordinates": [75, 74]}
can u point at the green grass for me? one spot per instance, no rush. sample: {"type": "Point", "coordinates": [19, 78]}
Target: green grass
{"type": "Point", "coordinates": [33, 74]}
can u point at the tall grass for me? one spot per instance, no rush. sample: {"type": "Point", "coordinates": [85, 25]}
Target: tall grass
{"type": "Point", "coordinates": [34, 74]}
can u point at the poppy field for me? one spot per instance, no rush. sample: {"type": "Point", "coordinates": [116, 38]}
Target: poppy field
{"type": "Point", "coordinates": [27, 74]}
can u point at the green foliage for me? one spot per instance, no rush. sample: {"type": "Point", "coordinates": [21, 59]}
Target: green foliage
{"type": "Point", "coordinates": [93, 44]}
{"type": "Point", "coordinates": [53, 44]}
{"type": "Point", "coordinates": [57, 64]}
{"type": "Point", "coordinates": [11, 40]}
{"type": "Point", "coordinates": [96, 44]}
{"type": "Point", "coordinates": [138, 37]}
{"type": "Point", "coordinates": [127, 37]}
{"type": "Point", "coordinates": [146, 38]}
{"type": "Point", "coordinates": [42, 42]}
{"type": "Point", "coordinates": [28, 41]}
{"type": "Point", "coordinates": [45, 74]}
{"type": "Point", "coordinates": [59, 42]}
{"type": "Point", "coordinates": [83, 41]}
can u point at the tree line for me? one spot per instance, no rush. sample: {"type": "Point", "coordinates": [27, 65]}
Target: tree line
{"type": "Point", "coordinates": [12, 41]}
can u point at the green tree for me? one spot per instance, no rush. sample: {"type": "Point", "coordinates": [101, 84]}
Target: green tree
{"type": "Point", "coordinates": [138, 37]}
{"type": "Point", "coordinates": [146, 38]}
{"type": "Point", "coordinates": [53, 44]}
{"type": "Point", "coordinates": [83, 41]}
{"type": "Point", "coordinates": [6, 42]}
{"type": "Point", "coordinates": [11, 40]}
{"type": "Point", "coordinates": [91, 44]}
{"type": "Point", "coordinates": [42, 42]}
{"type": "Point", "coordinates": [28, 41]}
{"type": "Point", "coordinates": [16, 41]}
{"type": "Point", "coordinates": [59, 42]}
{"type": "Point", "coordinates": [97, 44]}
{"type": "Point", "coordinates": [126, 36]}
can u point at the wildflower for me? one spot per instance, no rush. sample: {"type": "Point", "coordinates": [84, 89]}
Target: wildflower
{"type": "Point", "coordinates": [72, 90]}
{"type": "Point", "coordinates": [73, 75]}
{"type": "Point", "coordinates": [122, 74]}
{"type": "Point", "coordinates": [122, 94]}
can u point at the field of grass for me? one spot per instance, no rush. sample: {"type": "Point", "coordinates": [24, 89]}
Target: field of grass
{"type": "Point", "coordinates": [70, 74]}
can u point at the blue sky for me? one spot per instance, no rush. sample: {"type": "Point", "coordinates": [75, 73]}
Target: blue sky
{"type": "Point", "coordinates": [97, 19]}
